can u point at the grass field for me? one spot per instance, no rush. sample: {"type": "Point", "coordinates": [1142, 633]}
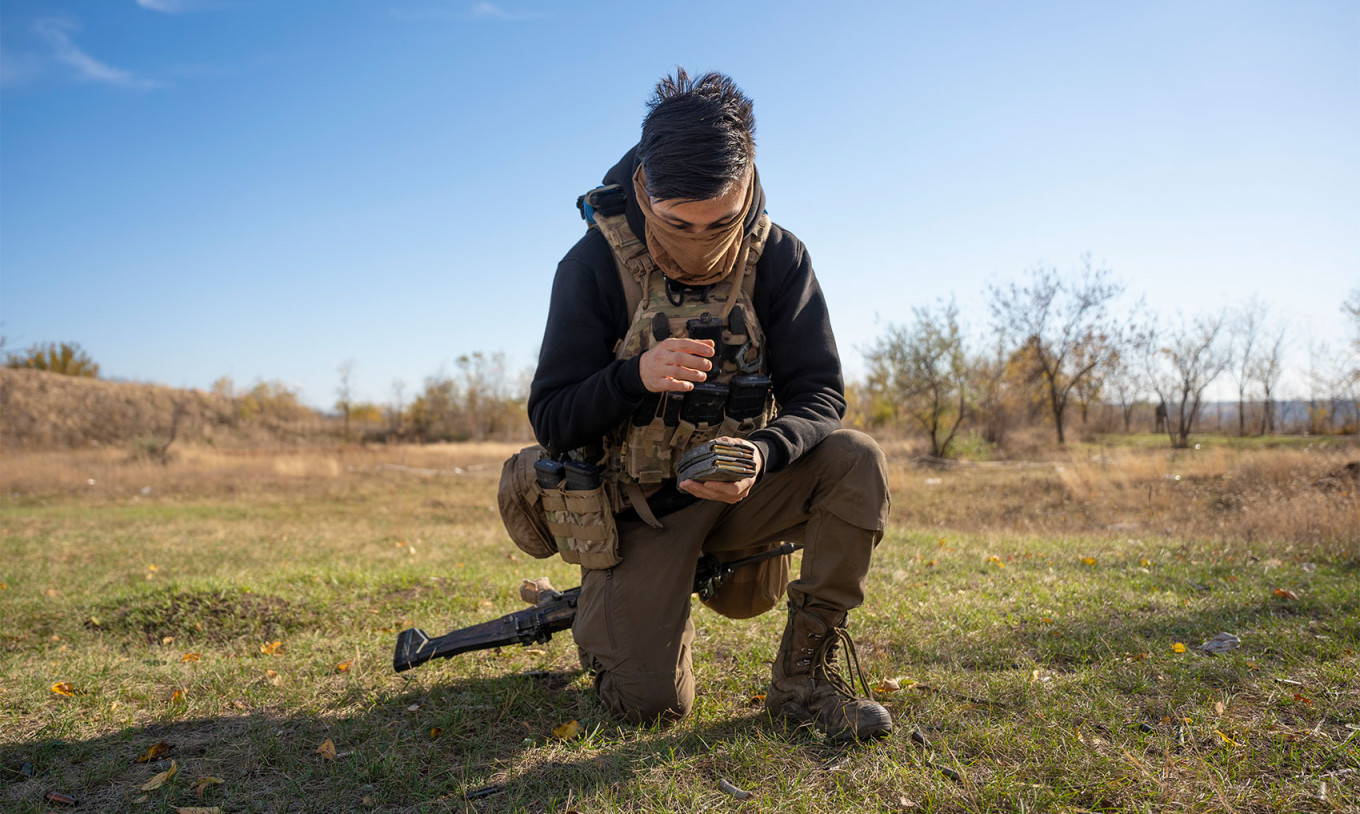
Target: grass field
{"type": "Point", "coordinates": [1029, 615]}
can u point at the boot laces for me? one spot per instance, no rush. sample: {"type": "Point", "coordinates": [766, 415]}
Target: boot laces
{"type": "Point", "coordinates": [827, 668]}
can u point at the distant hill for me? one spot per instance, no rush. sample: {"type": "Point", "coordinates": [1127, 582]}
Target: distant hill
{"type": "Point", "coordinates": [40, 410]}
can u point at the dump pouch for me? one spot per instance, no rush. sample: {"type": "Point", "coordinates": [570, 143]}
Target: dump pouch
{"type": "Point", "coordinates": [519, 504]}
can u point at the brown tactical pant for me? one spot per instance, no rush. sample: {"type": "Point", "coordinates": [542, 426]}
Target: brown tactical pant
{"type": "Point", "coordinates": [632, 624]}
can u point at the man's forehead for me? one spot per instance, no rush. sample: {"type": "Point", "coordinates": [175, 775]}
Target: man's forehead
{"type": "Point", "coordinates": [735, 190]}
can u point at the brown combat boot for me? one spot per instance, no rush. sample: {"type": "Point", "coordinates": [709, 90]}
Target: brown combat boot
{"type": "Point", "coordinates": [808, 686]}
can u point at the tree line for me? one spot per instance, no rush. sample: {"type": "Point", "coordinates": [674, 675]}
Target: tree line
{"type": "Point", "coordinates": [1053, 349]}
{"type": "Point", "coordinates": [1057, 347]}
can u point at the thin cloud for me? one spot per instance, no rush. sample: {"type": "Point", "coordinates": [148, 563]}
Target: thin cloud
{"type": "Point", "coordinates": [176, 6]}
{"type": "Point", "coordinates": [478, 11]}
{"type": "Point", "coordinates": [491, 11]}
{"type": "Point", "coordinates": [57, 33]}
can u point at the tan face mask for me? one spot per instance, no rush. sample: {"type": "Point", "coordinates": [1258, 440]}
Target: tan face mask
{"type": "Point", "coordinates": [688, 258]}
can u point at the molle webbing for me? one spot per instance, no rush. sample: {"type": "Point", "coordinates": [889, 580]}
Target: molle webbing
{"type": "Point", "coordinates": [642, 452]}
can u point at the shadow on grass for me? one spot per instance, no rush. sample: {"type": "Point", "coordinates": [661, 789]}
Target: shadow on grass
{"type": "Point", "coordinates": [482, 744]}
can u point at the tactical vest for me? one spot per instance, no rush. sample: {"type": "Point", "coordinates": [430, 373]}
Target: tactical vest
{"type": "Point", "coordinates": [735, 400]}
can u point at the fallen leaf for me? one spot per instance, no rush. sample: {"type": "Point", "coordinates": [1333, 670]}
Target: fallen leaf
{"type": "Point", "coordinates": [152, 567]}
{"type": "Point", "coordinates": [58, 798]}
{"type": "Point", "coordinates": [202, 783]}
{"type": "Point", "coordinates": [368, 801]}
{"type": "Point", "coordinates": [888, 686]}
{"type": "Point", "coordinates": [1284, 593]}
{"type": "Point", "coordinates": [1225, 738]}
{"type": "Point", "coordinates": [1220, 644]}
{"type": "Point", "coordinates": [1178, 648]}
{"type": "Point", "coordinates": [271, 649]}
{"type": "Point", "coordinates": [199, 810]}
{"type": "Point", "coordinates": [191, 657]}
{"type": "Point", "coordinates": [156, 752]}
{"type": "Point", "coordinates": [62, 688]}
{"type": "Point", "coordinates": [167, 640]}
{"type": "Point", "coordinates": [162, 778]}
{"type": "Point", "coordinates": [178, 695]}
{"type": "Point", "coordinates": [1219, 709]}
{"type": "Point", "coordinates": [413, 707]}
{"type": "Point", "coordinates": [327, 749]}
{"type": "Point", "coordinates": [1302, 698]}
{"type": "Point", "coordinates": [569, 730]}
{"type": "Point", "coordinates": [755, 700]}
{"type": "Point", "coordinates": [435, 732]}
{"type": "Point", "coordinates": [1088, 560]}
{"type": "Point", "coordinates": [343, 666]}
{"type": "Point", "coordinates": [1046, 620]}
{"type": "Point", "coordinates": [726, 785]}
{"type": "Point", "coordinates": [1145, 562]}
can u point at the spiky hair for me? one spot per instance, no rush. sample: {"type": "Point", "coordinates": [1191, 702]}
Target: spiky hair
{"type": "Point", "coordinates": [697, 138]}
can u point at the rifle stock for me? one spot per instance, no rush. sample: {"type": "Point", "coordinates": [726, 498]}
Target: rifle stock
{"type": "Point", "coordinates": [530, 626]}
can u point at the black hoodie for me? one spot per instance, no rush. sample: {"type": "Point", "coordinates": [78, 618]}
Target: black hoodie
{"type": "Point", "coordinates": [580, 391]}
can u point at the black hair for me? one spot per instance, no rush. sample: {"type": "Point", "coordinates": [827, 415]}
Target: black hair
{"type": "Point", "coordinates": [697, 138]}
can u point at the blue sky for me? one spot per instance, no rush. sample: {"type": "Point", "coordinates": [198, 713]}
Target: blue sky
{"type": "Point", "coordinates": [199, 188]}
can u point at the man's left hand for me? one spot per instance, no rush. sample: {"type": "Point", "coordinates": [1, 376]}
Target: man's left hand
{"type": "Point", "coordinates": [726, 491]}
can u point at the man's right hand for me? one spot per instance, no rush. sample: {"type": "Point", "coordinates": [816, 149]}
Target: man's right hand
{"type": "Point", "coordinates": [676, 364]}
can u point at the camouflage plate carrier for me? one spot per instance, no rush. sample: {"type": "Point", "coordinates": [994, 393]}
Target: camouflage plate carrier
{"type": "Point", "coordinates": [642, 452]}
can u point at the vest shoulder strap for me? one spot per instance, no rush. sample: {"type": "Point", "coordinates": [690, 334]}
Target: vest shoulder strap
{"type": "Point", "coordinates": [603, 209]}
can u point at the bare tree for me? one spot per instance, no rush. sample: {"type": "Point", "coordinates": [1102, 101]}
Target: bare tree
{"type": "Point", "coordinates": [1183, 363]}
{"type": "Point", "coordinates": [344, 391]}
{"type": "Point", "coordinates": [1247, 326]}
{"type": "Point", "coordinates": [1351, 308]}
{"type": "Point", "coordinates": [1331, 390]}
{"type": "Point", "coordinates": [1054, 317]}
{"type": "Point", "coordinates": [991, 384]}
{"type": "Point", "coordinates": [1126, 377]}
{"type": "Point", "coordinates": [1266, 371]}
{"type": "Point", "coordinates": [395, 410]}
{"type": "Point", "coordinates": [923, 369]}
{"type": "Point", "coordinates": [1089, 388]}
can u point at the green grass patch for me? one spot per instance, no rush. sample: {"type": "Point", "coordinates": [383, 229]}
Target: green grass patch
{"type": "Point", "coordinates": [1038, 670]}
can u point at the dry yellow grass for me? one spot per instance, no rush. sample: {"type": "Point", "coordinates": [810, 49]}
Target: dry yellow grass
{"type": "Point", "coordinates": [204, 471]}
{"type": "Point", "coordinates": [1307, 496]}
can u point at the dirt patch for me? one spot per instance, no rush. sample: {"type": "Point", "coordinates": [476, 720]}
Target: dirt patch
{"type": "Point", "coordinates": [1342, 479]}
{"type": "Point", "coordinates": [414, 591]}
{"type": "Point", "coordinates": [212, 616]}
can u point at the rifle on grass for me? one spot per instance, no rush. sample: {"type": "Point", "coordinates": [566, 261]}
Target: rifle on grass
{"type": "Point", "coordinates": [552, 612]}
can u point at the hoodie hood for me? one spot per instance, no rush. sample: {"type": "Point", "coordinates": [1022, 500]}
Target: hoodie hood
{"type": "Point", "coordinates": [622, 174]}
